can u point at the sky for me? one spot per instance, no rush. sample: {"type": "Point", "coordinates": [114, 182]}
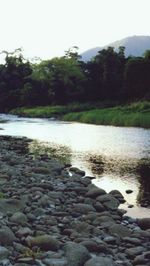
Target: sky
{"type": "Point", "coordinates": [47, 28]}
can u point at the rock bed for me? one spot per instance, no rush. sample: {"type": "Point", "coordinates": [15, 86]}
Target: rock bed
{"type": "Point", "coordinates": [48, 218]}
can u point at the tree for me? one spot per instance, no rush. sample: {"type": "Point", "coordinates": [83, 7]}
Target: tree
{"type": "Point", "coordinates": [105, 74]}
{"type": "Point", "coordinates": [12, 78]}
{"type": "Point", "coordinates": [65, 78]}
{"type": "Point", "coordinates": [136, 78]}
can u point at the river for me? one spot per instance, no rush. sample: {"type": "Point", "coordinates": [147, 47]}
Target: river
{"type": "Point", "coordinates": [118, 157]}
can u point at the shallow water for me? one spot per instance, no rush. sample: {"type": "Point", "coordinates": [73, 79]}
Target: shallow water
{"type": "Point", "coordinates": [114, 155]}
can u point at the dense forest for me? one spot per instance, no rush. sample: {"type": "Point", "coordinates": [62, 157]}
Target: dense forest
{"type": "Point", "coordinates": [108, 76]}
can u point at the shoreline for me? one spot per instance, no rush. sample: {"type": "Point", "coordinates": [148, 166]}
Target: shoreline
{"type": "Point", "coordinates": [49, 218]}
{"type": "Point", "coordinates": [130, 115]}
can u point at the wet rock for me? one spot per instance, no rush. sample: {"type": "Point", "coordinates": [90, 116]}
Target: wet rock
{"type": "Point", "coordinates": [120, 230]}
{"type": "Point", "coordinates": [45, 242]}
{"type": "Point", "coordinates": [132, 240]}
{"type": "Point", "coordinates": [6, 262]}
{"type": "Point", "coordinates": [117, 194]}
{"type": "Point", "coordinates": [108, 201]}
{"type": "Point", "coordinates": [129, 191]}
{"type": "Point", "coordinates": [24, 231]}
{"type": "Point", "coordinates": [19, 218]}
{"type": "Point", "coordinates": [81, 227]}
{"type": "Point", "coordinates": [11, 205]}
{"type": "Point", "coordinates": [76, 254]}
{"type": "Point", "coordinates": [99, 207]}
{"type": "Point", "coordinates": [77, 171]}
{"type": "Point", "coordinates": [26, 260]}
{"type": "Point", "coordinates": [20, 248]}
{"type": "Point", "coordinates": [55, 262]}
{"type": "Point", "coordinates": [130, 206]}
{"type": "Point", "coordinates": [147, 255]}
{"type": "Point", "coordinates": [144, 223]}
{"type": "Point", "coordinates": [4, 253]}
{"type": "Point", "coordinates": [140, 260]}
{"type": "Point", "coordinates": [95, 192]}
{"type": "Point", "coordinates": [90, 245]}
{"type": "Point", "coordinates": [110, 240]}
{"type": "Point", "coordinates": [6, 236]}
{"type": "Point", "coordinates": [132, 252]}
{"type": "Point", "coordinates": [21, 264]}
{"type": "Point", "coordinates": [44, 201]}
{"type": "Point", "coordinates": [100, 261]}
{"type": "Point", "coordinates": [41, 170]}
{"type": "Point", "coordinates": [100, 220]}
{"type": "Point", "coordinates": [83, 208]}
{"type": "Point", "coordinates": [42, 211]}
{"type": "Point", "coordinates": [38, 212]}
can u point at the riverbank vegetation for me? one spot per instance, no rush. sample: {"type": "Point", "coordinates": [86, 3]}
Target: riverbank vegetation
{"type": "Point", "coordinates": [57, 111]}
{"type": "Point", "coordinates": [75, 90]}
{"type": "Point", "coordinates": [116, 116]}
{"type": "Point", "coordinates": [135, 114]}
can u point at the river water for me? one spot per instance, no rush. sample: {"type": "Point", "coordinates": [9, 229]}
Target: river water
{"type": "Point", "coordinates": [118, 157]}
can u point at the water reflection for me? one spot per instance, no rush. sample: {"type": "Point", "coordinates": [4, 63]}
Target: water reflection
{"type": "Point", "coordinates": [114, 155]}
{"type": "Point", "coordinates": [60, 152]}
{"type": "Point", "coordinates": [144, 179]}
{"type": "Point", "coordinates": [123, 175]}
{"type": "Point", "coordinates": [111, 173]}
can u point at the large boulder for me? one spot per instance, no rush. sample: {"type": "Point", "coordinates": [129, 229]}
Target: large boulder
{"type": "Point", "coordinates": [95, 192]}
{"type": "Point", "coordinates": [19, 218]}
{"type": "Point", "coordinates": [6, 236]}
{"type": "Point", "coordinates": [120, 230]}
{"type": "Point", "coordinates": [4, 253]}
{"type": "Point", "coordinates": [110, 202]}
{"type": "Point", "coordinates": [76, 254]}
{"type": "Point", "coordinates": [117, 194]}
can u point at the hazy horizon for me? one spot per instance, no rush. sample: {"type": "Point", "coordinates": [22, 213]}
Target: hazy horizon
{"type": "Point", "coordinates": [47, 28]}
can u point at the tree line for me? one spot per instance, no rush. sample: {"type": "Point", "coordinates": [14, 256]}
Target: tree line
{"type": "Point", "coordinates": [61, 80]}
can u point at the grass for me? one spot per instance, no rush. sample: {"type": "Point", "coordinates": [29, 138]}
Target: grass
{"type": "Point", "coordinates": [136, 114]}
{"type": "Point", "coordinates": [58, 110]}
{"type": "Point", "coordinates": [51, 111]}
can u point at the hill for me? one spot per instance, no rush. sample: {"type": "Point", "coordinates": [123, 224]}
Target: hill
{"type": "Point", "coordinates": [135, 45]}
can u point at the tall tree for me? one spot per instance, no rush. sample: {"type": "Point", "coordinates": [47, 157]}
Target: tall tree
{"type": "Point", "coordinates": [13, 77]}
{"type": "Point", "coordinates": [137, 79]}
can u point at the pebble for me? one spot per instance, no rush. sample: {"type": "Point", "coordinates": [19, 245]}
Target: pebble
{"type": "Point", "coordinates": [49, 217]}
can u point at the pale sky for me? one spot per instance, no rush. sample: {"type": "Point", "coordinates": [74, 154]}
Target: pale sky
{"type": "Point", "coordinates": [47, 28]}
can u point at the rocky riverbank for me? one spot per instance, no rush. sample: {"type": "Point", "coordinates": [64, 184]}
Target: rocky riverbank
{"type": "Point", "coordinates": [49, 218]}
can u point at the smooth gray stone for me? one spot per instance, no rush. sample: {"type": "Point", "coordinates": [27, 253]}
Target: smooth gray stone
{"type": "Point", "coordinates": [76, 254]}
{"type": "Point", "coordinates": [100, 261]}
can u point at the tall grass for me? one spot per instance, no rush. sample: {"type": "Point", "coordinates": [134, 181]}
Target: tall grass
{"type": "Point", "coordinates": [136, 114]}
{"type": "Point", "coordinates": [50, 111]}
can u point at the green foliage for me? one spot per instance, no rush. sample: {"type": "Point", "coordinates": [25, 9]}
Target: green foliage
{"type": "Point", "coordinates": [2, 195]}
{"type": "Point", "coordinates": [109, 77]}
{"type": "Point", "coordinates": [137, 115]}
{"type": "Point", "coordinates": [12, 78]}
{"type": "Point", "coordinates": [51, 111]}
{"type": "Point", "coordinates": [29, 253]}
{"type": "Point", "coordinates": [137, 78]}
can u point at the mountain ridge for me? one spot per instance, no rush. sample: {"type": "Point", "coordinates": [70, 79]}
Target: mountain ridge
{"type": "Point", "coordinates": [134, 45]}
